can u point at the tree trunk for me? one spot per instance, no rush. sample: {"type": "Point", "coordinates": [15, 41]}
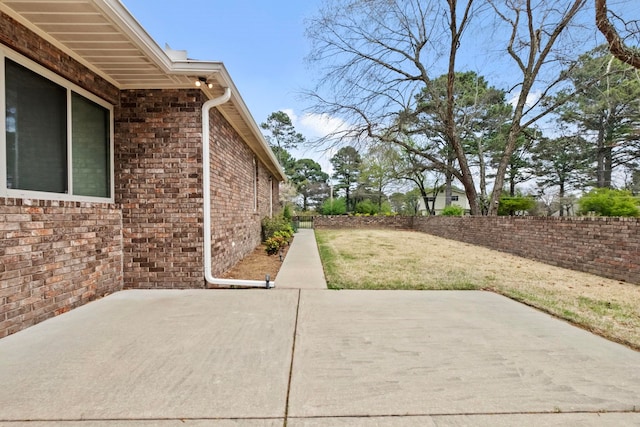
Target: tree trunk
{"type": "Point", "coordinates": [512, 184]}
{"type": "Point", "coordinates": [425, 199]}
{"type": "Point", "coordinates": [504, 163]}
{"type": "Point", "coordinates": [483, 178]}
{"type": "Point", "coordinates": [449, 122]}
{"type": "Point", "coordinates": [347, 199]}
{"type": "Point", "coordinates": [448, 190]}
{"type": "Point", "coordinates": [605, 162]}
{"type": "Point", "coordinates": [561, 195]}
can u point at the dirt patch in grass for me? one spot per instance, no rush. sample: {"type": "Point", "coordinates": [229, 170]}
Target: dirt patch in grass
{"type": "Point", "coordinates": [385, 259]}
{"type": "Point", "coordinates": [256, 265]}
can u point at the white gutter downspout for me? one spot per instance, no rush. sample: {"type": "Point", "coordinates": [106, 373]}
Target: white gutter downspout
{"type": "Point", "coordinates": [206, 196]}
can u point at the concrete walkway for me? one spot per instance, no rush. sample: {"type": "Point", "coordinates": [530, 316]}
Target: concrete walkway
{"type": "Point", "coordinates": [302, 268]}
{"type": "Point", "coordinates": [313, 358]}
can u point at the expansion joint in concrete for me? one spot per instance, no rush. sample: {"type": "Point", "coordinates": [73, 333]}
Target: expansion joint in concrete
{"type": "Point", "coordinates": [293, 354]}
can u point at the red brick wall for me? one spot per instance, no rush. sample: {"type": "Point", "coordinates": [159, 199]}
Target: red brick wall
{"type": "Point", "coordinates": [346, 221]}
{"type": "Point", "coordinates": [235, 221]}
{"type": "Point", "coordinates": [159, 185]}
{"type": "Point", "coordinates": [55, 256]}
{"type": "Point", "coordinates": [608, 247]}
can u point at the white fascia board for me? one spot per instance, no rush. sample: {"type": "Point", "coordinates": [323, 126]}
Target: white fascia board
{"type": "Point", "coordinates": [121, 16]}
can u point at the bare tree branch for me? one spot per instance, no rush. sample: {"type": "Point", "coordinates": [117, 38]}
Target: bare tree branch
{"type": "Point", "coordinates": [616, 45]}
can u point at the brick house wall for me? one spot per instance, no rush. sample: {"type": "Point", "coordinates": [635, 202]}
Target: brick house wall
{"type": "Point", "coordinates": [236, 209]}
{"type": "Point", "coordinates": [55, 256]}
{"type": "Point", "coordinates": [159, 187]}
{"type": "Point", "coordinates": [608, 247]}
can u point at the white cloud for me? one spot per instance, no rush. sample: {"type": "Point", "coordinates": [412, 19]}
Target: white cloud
{"type": "Point", "coordinates": [292, 115]}
{"type": "Point", "coordinates": [315, 126]}
{"type": "Point", "coordinates": [320, 125]}
{"type": "Point", "coordinates": [532, 98]}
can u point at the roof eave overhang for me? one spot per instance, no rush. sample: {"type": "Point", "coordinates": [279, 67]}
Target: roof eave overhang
{"type": "Point", "coordinates": [120, 16]}
{"type": "Point", "coordinates": [123, 18]}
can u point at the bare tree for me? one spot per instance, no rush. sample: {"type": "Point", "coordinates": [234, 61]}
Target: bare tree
{"type": "Point", "coordinates": [617, 45]}
{"type": "Point", "coordinates": [375, 56]}
{"type": "Point", "coordinates": [535, 33]}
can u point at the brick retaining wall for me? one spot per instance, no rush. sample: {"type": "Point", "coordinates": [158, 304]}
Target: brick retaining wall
{"type": "Point", "coordinates": [55, 256]}
{"type": "Point", "coordinates": [609, 247]}
{"type": "Point", "coordinates": [345, 221]}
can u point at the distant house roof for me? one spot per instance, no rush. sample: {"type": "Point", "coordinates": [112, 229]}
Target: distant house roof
{"type": "Point", "coordinates": [453, 190]}
{"type": "Point", "coordinates": [105, 37]}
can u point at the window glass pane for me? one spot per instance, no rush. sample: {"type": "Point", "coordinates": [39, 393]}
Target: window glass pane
{"type": "Point", "coordinates": [90, 148]}
{"type": "Point", "coordinates": [36, 131]}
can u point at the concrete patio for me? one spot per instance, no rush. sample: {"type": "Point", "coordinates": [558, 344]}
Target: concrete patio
{"type": "Point", "coordinates": [313, 358]}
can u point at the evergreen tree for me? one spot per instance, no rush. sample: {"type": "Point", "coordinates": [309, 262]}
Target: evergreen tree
{"type": "Point", "coordinates": [346, 165]}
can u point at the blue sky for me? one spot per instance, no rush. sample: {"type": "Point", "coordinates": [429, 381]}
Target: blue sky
{"type": "Point", "coordinates": [261, 43]}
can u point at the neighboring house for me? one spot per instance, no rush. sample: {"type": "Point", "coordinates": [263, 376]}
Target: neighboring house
{"type": "Point", "coordinates": [103, 171]}
{"type": "Point", "coordinates": [458, 197]}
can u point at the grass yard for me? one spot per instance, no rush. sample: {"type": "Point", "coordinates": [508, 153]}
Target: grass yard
{"type": "Point", "coordinates": [390, 259]}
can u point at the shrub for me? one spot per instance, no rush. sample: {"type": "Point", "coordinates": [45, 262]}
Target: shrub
{"type": "Point", "coordinates": [285, 234]}
{"type": "Point", "coordinates": [274, 244]}
{"type": "Point", "coordinates": [334, 207]}
{"type": "Point", "coordinates": [274, 224]}
{"type": "Point", "coordinates": [387, 209]}
{"type": "Point", "coordinates": [453, 210]}
{"type": "Point", "coordinates": [366, 207]}
{"type": "Point", "coordinates": [286, 212]}
{"type": "Point", "coordinates": [516, 204]}
{"type": "Point", "coordinates": [607, 202]}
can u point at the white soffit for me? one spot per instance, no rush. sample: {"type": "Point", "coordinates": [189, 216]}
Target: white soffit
{"type": "Point", "coordinates": [103, 35]}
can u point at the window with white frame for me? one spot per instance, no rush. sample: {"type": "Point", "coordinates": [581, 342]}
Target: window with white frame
{"type": "Point", "coordinates": [57, 139]}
